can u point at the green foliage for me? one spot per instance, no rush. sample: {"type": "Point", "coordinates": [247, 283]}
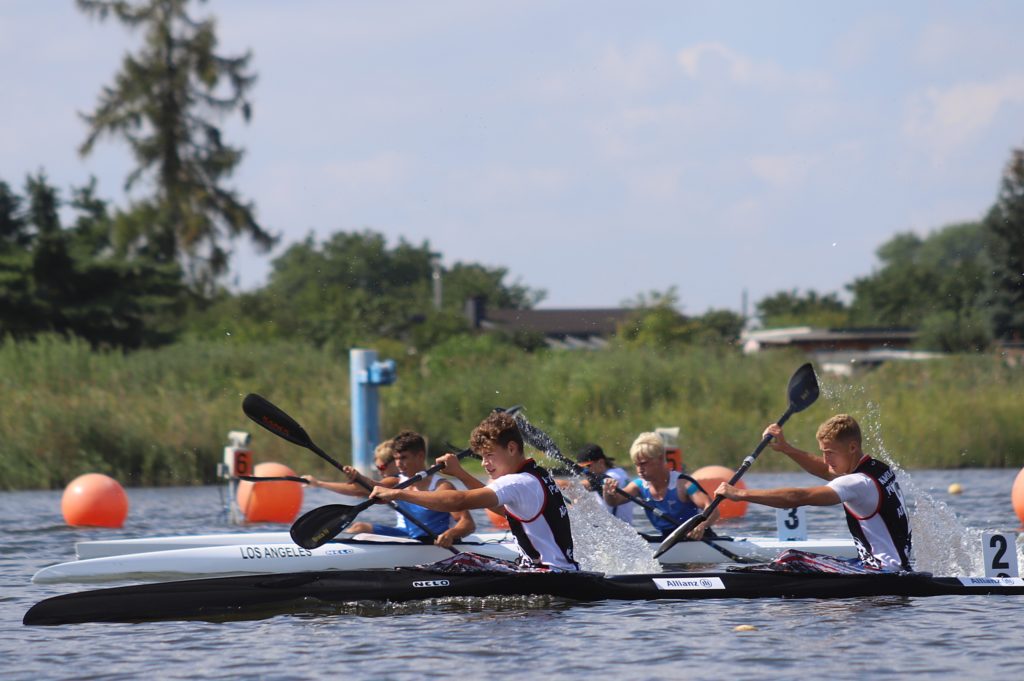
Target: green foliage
{"type": "Point", "coordinates": [1004, 227]}
{"type": "Point", "coordinates": [163, 103]}
{"type": "Point", "coordinates": [938, 282]}
{"type": "Point", "coordinates": [160, 416]}
{"type": "Point", "coordinates": [790, 308]}
{"type": "Point", "coordinates": [352, 289]}
{"type": "Point", "coordinates": [658, 324]}
{"type": "Point", "coordinates": [68, 281]}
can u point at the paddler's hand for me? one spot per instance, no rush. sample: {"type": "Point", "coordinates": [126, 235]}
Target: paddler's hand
{"type": "Point", "coordinates": [446, 539]}
{"type": "Point", "coordinates": [778, 441]}
{"type": "Point", "coordinates": [609, 487]}
{"type": "Point", "coordinates": [728, 491]}
{"type": "Point", "coordinates": [698, 532]}
{"type": "Point", "coordinates": [385, 494]}
{"type": "Point", "coordinates": [451, 463]}
{"type": "Point", "coordinates": [351, 472]}
{"type": "Point", "coordinates": [311, 481]}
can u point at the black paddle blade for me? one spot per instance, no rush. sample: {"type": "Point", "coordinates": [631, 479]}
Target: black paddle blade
{"type": "Point", "coordinates": [260, 410]}
{"type": "Point", "coordinates": [322, 524]}
{"type": "Point", "coordinates": [678, 533]}
{"type": "Point", "coordinates": [803, 388]}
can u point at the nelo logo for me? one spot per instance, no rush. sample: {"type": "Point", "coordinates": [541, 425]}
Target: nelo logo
{"type": "Point", "coordinates": [431, 583]}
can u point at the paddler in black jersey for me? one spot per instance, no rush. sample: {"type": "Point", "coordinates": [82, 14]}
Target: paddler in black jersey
{"type": "Point", "coordinates": [519, 489]}
{"type": "Point", "coordinates": [867, 488]}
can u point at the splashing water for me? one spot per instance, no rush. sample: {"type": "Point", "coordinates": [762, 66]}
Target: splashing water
{"type": "Point", "coordinates": [602, 542]}
{"type": "Point", "coordinates": [942, 544]}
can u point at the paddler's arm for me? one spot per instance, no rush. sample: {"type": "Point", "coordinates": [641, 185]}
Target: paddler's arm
{"type": "Point", "coordinates": [613, 498]}
{"type": "Point", "coordinates": [464, 523]}
{"type": "Point", "coordinates": [702, 501]}
{"type": "Point", "coordinates": [440, 500]}
{"type": "Point", "coordinates": [782, 497]}
{"type": "Point", "coordinates": [810, 463]}
{"type": "Point", "coordinates": [351, 488]}
{"type": "Point", "coordinates": [453, 468]}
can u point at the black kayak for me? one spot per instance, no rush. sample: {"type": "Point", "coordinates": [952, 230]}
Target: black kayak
{"type": "Point", "coordinates": [250, 596]}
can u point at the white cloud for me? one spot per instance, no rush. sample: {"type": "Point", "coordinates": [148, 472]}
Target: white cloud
{"type": "Point", "coordinates": [380, 171]}
{"type": "Point", "coordinates": [504, 184]}
{"type": "Point", "coordinates": [639, 68]}
{"type": "Point", "coordinates": [782, 171]}
{"type": "Point", "coordinates": [945, 119]}
{"type": "Point", "coordinates": [866, 40]}
{"type": "Point", "coordinates": [714, 60]}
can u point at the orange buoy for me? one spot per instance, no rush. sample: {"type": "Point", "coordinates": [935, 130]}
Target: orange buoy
{"type": "Point", "coordinates": [710, 477]}
{"type": "Point", "coordinates": [498, 520]}
{"type": "Point", "coordinates": [1017, 495]}
{"type": "Point", "coordinates": [94, 500]}
{"type": "Point", "coordinates": [270, 502]}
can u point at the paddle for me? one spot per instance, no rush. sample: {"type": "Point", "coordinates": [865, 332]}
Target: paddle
{"type": "Point", "coordinates": [324, 523]}
{"type": "Point", "coordinates": [802, 392]}
{"type": "Point", "coordinates": [542, 441]}
{"type": "Point", "coordinates": [271, 417]}
{"type": "Point", "coordinates": [273, 478]}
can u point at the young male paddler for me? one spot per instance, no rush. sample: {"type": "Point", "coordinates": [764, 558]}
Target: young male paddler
{"type": "Point", "coordinates": [410, 452]}
{"type": "Point", "coordinates": [867, 488]}
{"type": "Point", "coordinates": [519, 488]}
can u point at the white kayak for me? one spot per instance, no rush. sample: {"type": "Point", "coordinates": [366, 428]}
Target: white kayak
{"type": "Point", "coordinates": [158, 558]}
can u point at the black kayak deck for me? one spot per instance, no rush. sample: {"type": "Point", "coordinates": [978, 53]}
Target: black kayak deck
{"type": "Point", "coordinates": [248, 595]}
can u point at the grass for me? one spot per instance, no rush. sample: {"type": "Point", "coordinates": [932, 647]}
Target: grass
{"type": "Point", "coordinates": [160, 417]}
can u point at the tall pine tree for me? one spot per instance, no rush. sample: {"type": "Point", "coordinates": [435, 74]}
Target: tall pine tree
{"type": "Point", "coordinates": [1005, 226]}
{"type": "Point", "coordinates": [164, 103]}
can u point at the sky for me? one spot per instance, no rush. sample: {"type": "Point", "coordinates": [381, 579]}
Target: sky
{"type": "Point", "coordinates": [597, 150]}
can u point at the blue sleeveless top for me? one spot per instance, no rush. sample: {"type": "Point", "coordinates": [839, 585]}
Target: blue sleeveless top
{"type": "Point", "coordinates": [670, 505]}
{"type": "Point", "coordinates": [437, 521]}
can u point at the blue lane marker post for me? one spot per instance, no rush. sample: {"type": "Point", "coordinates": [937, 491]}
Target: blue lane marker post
{"type": "Point", "coordinates": [366, 376]}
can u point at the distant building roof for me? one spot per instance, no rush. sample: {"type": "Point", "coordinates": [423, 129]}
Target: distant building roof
{"type": "Point", "coordinates": [568, 328]}
{"type": "Point", "coordinates": [810, 339]}
{"type": "Point", "coordinates": [564, 322]}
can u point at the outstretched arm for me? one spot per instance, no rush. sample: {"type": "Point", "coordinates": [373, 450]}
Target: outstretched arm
{"type": "Point", "coordinates": [440, 500]}
{"type": "Point", "coordinates": [358, 485]}
{"type": "Point", "coordinates": [782, 497]}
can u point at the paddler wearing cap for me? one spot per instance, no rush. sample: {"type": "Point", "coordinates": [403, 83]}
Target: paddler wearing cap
{"type": "Point", "coordinates": [593, 458]}
{"type": "Point", "coordinates": [674, 493]}
{"type": "Point", "coordinates": [526, 493]}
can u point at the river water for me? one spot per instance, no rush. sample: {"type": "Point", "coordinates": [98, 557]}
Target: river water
{"type": "Point", "coordinates": [945, 637]}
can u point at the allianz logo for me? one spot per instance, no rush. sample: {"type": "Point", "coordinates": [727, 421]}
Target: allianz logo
{"type": "Point", "coordinates": [430, 583]}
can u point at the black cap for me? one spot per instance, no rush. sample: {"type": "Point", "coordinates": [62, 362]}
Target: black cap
{"type": "Point", "coordinates": [590, 453]}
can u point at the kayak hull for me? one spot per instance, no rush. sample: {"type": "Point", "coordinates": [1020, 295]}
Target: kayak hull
{"type": "Point", "coordinates": [250, 596]}
{"type": "Point", "coordinates": [161, 558]}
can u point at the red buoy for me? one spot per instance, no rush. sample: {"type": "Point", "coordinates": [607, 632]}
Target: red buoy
{"type": "Point", "coordinates": [94, 500]}
{"type": "Point", "coordinates": [1017, 496]}
{"type": "Point", "coordinates": [710, 477]}
{"type": "Point", "coordinates": [270, 502]}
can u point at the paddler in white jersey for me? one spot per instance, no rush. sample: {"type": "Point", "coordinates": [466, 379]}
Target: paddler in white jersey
{"type": "Point", "coordinates": [520, 489]}
{"type": "Point", "coordinates": [867, 488]}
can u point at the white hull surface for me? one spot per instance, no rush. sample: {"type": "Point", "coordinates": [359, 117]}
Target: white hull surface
{"type": "Point", "coordinates": [158, 558]}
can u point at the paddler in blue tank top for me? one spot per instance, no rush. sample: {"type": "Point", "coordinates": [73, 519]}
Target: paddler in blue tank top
{"type": "Point", "coordinates": [671, 492]}
{"type": "Point", "coordinates": [410, 453]}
